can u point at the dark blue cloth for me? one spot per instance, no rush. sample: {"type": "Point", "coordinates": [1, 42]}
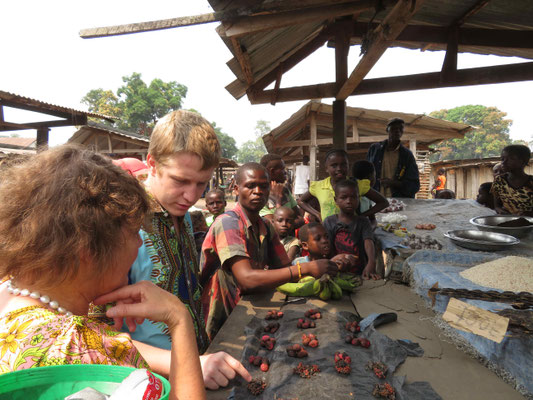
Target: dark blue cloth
{"type": "Point", "coordinates": [406, 170]}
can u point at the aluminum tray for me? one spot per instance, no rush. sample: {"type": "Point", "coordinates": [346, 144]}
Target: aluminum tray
{"type": "Point", "coordinates": [490, 222]}
{"type": "Point", "coordinates": [481, 240]}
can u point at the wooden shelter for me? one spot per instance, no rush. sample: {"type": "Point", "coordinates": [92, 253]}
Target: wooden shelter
{"type": "Point", "coordinates": [465, 176]}
{"type": "Point", "coordinates": [60, 116]}
{"type": "Point", "coordinates": [269, 37]}
{"type": "Point", "coordinates": [114, 142]}
{"type": "Point", "coordinates": [309, 131]}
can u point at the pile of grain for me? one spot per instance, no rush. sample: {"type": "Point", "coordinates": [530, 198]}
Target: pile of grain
{"type": "Point", "coordinates": [509, 273]}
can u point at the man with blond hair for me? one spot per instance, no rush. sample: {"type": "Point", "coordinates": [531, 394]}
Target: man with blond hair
{"type": "Point", "coordinates": [183, 153]}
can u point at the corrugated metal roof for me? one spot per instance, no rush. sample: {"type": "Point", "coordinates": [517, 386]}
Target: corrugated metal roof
{"type": "Point", "coordinates": [17, 142]}
{"type": "Point", "coordinates": [265, 50]}
{"type": "Point", "coordinates": [18, 99]}
{"type": "Point", "coordinates": [85, 131]}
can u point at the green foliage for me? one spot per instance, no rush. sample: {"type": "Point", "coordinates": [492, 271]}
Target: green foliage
{"type": "Point", "coordinates": [227, 143]}
{"type": "Point", "coordinates": [490, 136]}
{"type": "Point", "coordinates": [137, 104]}
{"type": "Point", "coordinates": [253, 150]}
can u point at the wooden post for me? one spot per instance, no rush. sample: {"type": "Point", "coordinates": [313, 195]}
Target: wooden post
{"type": "Point", "coordinates": [355, 132]}
{"type": "Point", "coordinates": [42, 139]}
{"type": "Point", "coordinates": [313, 148]}
{"type": "Point", "coordinates": [339, 124]}
{"type": "Point", "coordinates": [412, 146]}
{"type": "Point", "coordinates": [341, 74]}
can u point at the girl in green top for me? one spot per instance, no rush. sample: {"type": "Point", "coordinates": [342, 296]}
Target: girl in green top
{"type": "Point", "coordinates": [336, 162]}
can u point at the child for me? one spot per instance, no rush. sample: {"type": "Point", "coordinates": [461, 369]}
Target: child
{"type": "Point", "coordinates": [440, 182]}
{"type": "Point", "coordinates": [350, 233]}
{"type": "Point", "coordinates": [283, 222]}
{"type": "Point", "coordinates": [336, 162]}
{"type": "Point", "coordinates": [484, 197]}
{"type": "Point", "coordinates": [446, 194]}
{"type": "Point", "coordinates": [215, 202]}
{"type": "Point", "coordinates": [362, 170]}
{"type": "Point", "coordinates": [315, 241]}
{"type": "Point", "coordinates": [199, 228]}
{"type": "Point", "coordinates": [513, 190]}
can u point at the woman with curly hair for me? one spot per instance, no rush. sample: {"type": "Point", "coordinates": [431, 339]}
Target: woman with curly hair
{"type": "Point", "coordinates": [69, 223]}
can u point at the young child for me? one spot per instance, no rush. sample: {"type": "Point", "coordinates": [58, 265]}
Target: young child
{"type": "Point", "coordinates": [440, 182]}
{"type": "Point", "coordinates": [513, 190]}
{"type": "Point", "coordinates": [336, 162]}
{"type": "Point", "coordinates": [361, 170]}
{"type": "Point", "coordinates": [215, 202]}
{"type": "Point", "coordinates": [315, 242]}
{"type": "Point", "coordinates": [484, 197]}
{"type": "Point", "coordinates": [446, 194]}
{"type": "Point", "coordinates": [283, 222]}
{"type": "Point", "coordinates": [350, 233]}
{"type": "Point", "coordinates": [199, 228]}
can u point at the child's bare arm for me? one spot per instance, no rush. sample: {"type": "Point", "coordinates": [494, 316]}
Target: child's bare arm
{"type": "Point", "coordinates": [370, 268]}
{"type": "Point", "coordinates": [303, 202]}
{"type": "Point", "coordinates": [293, 252]}
{"type": "Point", "coordinates": [379, 199]}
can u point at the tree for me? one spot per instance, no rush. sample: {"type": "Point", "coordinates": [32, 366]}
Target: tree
{"type": "Point", "coordinates": [227, 143]}
{"type": "Point", "coordinates": [253, 150]}
{"type": "Point", "coordinates": [490, 136]}
{"type": "Point", "coordinates": [137, 105]}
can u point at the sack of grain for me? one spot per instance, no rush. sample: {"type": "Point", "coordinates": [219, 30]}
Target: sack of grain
{"type": "Point", "coordinates": [511, 273]}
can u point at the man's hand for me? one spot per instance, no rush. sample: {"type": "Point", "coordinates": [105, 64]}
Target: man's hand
{"type": "Point", "coordinates": [219, 368]}
{"type": "Point", "coordinates": [276, 191]}
{"type": "Point", "coordinates": [318, 268]}
{"type": "Point", "coordinates": [370, 272]}
{"type": "Point", "coordinates": [345, 261]}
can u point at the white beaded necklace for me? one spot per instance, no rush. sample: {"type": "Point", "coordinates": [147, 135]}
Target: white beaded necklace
{"type": "Point", "coordinates": [11, 288]}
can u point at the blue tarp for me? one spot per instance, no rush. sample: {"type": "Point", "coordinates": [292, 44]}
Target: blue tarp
{"type": "Point", "coordinates": [513, 355]}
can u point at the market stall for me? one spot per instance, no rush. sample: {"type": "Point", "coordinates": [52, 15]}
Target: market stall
{"type": "Point", "coordinates": [441, 368]}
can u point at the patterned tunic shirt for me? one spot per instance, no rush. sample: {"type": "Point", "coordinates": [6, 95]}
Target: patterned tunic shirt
{"type": "Point", "coordinates": [233, 235]}
{"type": "Point", "coordinates": [35, 336]}
{"type": "Point", "coordinates": [168, 258]}
{"type": "Point", "coordinates": [516, 201]}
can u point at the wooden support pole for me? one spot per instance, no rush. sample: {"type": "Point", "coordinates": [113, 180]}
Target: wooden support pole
{"type": "Point", "coordinates": [339, 124]}
{"type": "Point", "coordinates": [313, 148]}
{"type": "Point", "coordinates": [412, 146]}
{"type": "Point", "coordinates": [393, 24]}
{"type": "Point", "coordinates": [341, 74]}
{"type": "Point", "coordinates": [42, 139]}
{"type": "Point", "coordinates": [449, 67]}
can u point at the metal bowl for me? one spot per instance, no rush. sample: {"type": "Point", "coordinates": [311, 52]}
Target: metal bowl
{"type": "Point", "coordinates": [481, 240]}
{"type": "Point", "coordinates": [490, 223]}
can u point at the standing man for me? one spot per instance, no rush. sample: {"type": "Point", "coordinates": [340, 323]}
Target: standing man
{"type": "Point", "coordinates": [280, 195]}
{"type": "Point", "coordinates": [396, 169]}
{"type": "Point", "coordinates": [183, 153]}
{"type": "Point", "coordinates": [301, 178]}
{"type": "Point", "coordinates": [242, 252]}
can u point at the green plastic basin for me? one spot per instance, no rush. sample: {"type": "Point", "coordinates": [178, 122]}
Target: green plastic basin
{"type": "Point", "coordinates": [58, 382]}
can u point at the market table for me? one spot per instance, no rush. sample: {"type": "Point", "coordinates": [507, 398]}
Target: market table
{"type": "Point", "coordinates": [447, 215]}
{"type": "Point", "coordinates": [451, 373]}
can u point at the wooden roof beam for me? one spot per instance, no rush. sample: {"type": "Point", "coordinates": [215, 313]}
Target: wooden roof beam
{"type": "Point", "coordinates": [77, 119]}
{"type": "Point", "coordinates": [465, 77]}
{"type": "Point", "coordinates": [418, 34]}
{"type": "Point", "coordinates": [393, 24]}
{"type": "Point", "coordinates": [11, 126]}
{"type": "Point", "coordinates": [271, 7]}
{"type": "Point", "coordinates": [244, 60]}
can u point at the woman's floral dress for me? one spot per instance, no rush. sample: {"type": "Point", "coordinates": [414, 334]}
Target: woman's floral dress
{"type": "Point", "coordinates": [36, 336]}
